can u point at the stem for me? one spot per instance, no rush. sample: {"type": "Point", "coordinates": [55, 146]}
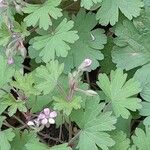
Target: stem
{"type": "Point", "coordinates": [60, 132]}
{"type": "Point", "coordinates": [88, 78]}
{"type": "Point", "coordinates": [70, 130]}
{"type": "Point", "coordinates": [74, 138]}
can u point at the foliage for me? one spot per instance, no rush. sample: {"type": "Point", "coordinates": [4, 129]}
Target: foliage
{"type": "Point", "coordinates": [74, 74]}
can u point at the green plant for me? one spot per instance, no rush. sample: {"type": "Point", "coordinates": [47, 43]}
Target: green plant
{"type": "Point", "coordinates": [74, 74]}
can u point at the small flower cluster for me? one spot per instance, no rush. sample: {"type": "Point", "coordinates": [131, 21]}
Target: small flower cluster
{"type": "Point", "coordinates": [45, 118]}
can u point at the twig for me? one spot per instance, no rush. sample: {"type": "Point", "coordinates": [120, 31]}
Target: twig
{"type": "Point", "coordinates": [74, 138]}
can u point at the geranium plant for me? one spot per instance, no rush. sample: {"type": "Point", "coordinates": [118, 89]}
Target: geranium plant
{"type": "Point", "coordinates": [74, 74]}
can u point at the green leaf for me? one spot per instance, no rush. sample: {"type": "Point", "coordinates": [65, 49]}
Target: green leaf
{"type": "Point", "coordinates": [120, 93]}
{"type": "Point", "coordinates": [56, 43]}
{"type": "Point", "coordinates": [121, 141]}
{"type": "Point", "coordinates": [109, 11]}
{"type": "Point", "coordinates": [40, 146]}
{"type": "Point", "coordinates": [141, 139]}
{"type": "Point", "coordinates": [6, 72]}
{"type": "Point", "coordinates": [26, 83]}
{"type": "Point", "coordinates": [61, 104]}
{"type": "Point", "coordinates": [41, 13]}
{"type": "Point", "coordinates": [13, 104]}
{"type": "Point", "coordinates": [5, 137]}
{"type": "Point", "coordinates": [89, 43]}
{"type": "Point", "coordinates": [89, 3]}
{"type": "Point", "coordinates": [94, 124]}
{"type": "Point", "coordinates": [47, 76]}
{"type": "Point", "coordinates": [21, 139]}
{"type": "Point", "coordinates": [4, 34]}
{"type": "Point", "coordinates": [143, 76]}
{"type": "Point", "coordinates": [132, 48]}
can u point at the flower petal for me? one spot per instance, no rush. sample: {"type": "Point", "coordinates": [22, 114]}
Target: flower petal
{"type": "Point", "coordinates": [46, 111]}
{"type": "Point", "coordinates": [30, 123]}
{"type": "Point", "coordinates": [44, 121]}
{"type": "Point", "coordinates": [41, 116]}
{"type": "Point", "coordinates": [53, 114]}
{"type": "Point", "coordinates": [51, 121]}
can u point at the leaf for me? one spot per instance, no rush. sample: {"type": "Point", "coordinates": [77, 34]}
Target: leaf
{"type": "Point", "coordinates": [4, 34]}
{"type": "Point", "coordinates": [21, 139]}
{"type": "Point", "coordinates": [40, 146]}
{"type": "Point", "coordinates": [106, 64]}
{"type": "Point", "coordinates": [89, 3]}
{"type": "Point", "coordinates": [41, 13]}
{"type": "Point", "coordinates": [89, 43]}
{"type": "Point", "coordinates": [94, 124]}
{"type": "Point", "coordinates": [13, 104]}
{"type": "Point", "coordinates": [109, 11]}
{"type": "Point", "coordinates": [37, 103]}
{"type": "Point", "coordinates": [47, 76]}
{"type": "Point", "coordinates": [57, 42]}
{"type": "Point", "coordinates": [121, 141]}
{"type": "Point", "coordinates": [6, 72]}
{"type": "Point", "coordinates": [143, 76]}
{"type": "Point", "coordinates": [132, 48]}
{"type": "Point", "coordinates": [5, 137]}
{"type": "Point", "coordinates": [141, 139]}
{"type": "Point", "coordinates": [26, 83]}
{"type": "Point", "coordinates": [120, 92]}
{"type": "Point", "coordinates": [67, 106]}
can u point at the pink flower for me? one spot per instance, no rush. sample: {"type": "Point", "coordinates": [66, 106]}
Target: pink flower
{"type": "Point", "coordinates": [85, 65]}
{"type": "Point", "coordinates": [10, 60]}
{"type": "Point", "coordinates": [46, 117]}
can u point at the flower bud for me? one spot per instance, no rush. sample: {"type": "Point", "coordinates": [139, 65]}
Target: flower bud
{"type": "Point", "coordinates": [30, 123]}
{"type": "Point", "coordinates": [22, 50]}
{"type": "Point", "coordinates": [90, 93]}
{"type": "Point", "coordinates": [10, 61]}
{"type": "Point", "coordinates": [85, 65]}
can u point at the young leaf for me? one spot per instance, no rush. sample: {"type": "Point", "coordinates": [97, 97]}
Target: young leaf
{"type": "Point", "coordinates": [141, 139]}
{"type": "Point", "coordinates": [41, 13]}
{"type": "Point", "coordinates": [93, 124]}
{"type": "Point", "coordinates": [89, 3]}
{"type": "Point", "coordinates": [132, 48]}
{"type": "Point", "coordinates": [25, 83]}
{"type": "Point", "coordinates": [89, 43]}
{"type": "Point", "coordinates": [47, 76]}
{"type": "Point", "coordinates": [121, 141]}
{"type": "Point", "coordinates": [56, 43]}
{"type": "Point", "coordinates": [13, 104]}
{"type": "Point", "coordinates": [109, 11]}
{"type": "Point", "coordinates": [5, 137]}
{"type": "Point", "coordinates": [120, 93]}
{"type": "Point", "coordinates": [143, 76]}
{"type": "Point", "coordinates": [67, 106]}
{"type": "Point", "coordinates": [6, 72]}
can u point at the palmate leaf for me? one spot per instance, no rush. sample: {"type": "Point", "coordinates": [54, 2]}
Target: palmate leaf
{"type": "Point", "coordinates": [120, 93]}
{"type": "Point", "coordinates": [121, 141]}
{"type": "Point", "coordinates": [22, 138]}
{"type": "Point", "coordinates": [143, 76]}
{"type": "Point", "coordinates": [109, 11]}
{"type": "Point", "coordinates": [47, 76]}
{"type": "Point", "coordinates": [56, 42]}
{"type": "Point", "coordinates": [89, 43]}
{"type": "Point", "coordinates": [141, 139]}
{"type": "Point", "coordinates": [94, 124]}
{"type": "Point", "coordinates": [6, 72]}
{"type": "Point", "coordinates": [25, 83]}
{"type": "Point", "coordinates": [40, 146]}
{"type": "Point", "coordinates": [13, 104]}
{"type": "Point", "coordinates": [89, 3]}
{"type": "Point", "coordinates": [41, 13]}
{"type": "Point", "coordinates": [5, 137]}
{"type": "Point", "coordinates": [132, 42]}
